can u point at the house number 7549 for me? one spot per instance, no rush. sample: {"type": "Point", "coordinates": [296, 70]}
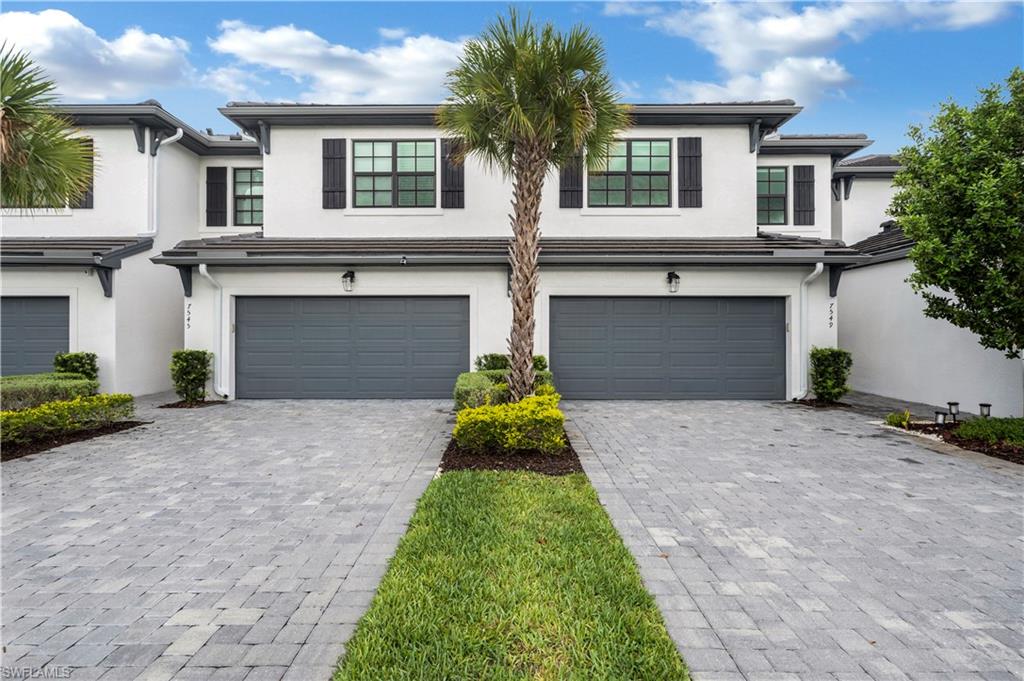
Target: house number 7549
{"type": "Point", "coordinates": [831, 315]}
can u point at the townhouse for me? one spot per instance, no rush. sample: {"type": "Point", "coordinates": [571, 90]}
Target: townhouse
{"type": "Point", "coordinates": [339, 251]}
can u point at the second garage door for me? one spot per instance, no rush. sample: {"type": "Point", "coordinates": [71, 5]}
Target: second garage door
{"type": "Point", "coordinates": [669, 348]}
{"type": "Point", "coordinates": [350, 347]}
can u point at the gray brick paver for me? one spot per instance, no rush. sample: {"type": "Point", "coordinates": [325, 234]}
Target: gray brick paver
{"type": "Point", "coordinates": [180, 547]}
{"type": "Point", "coordinates": [799, 540]}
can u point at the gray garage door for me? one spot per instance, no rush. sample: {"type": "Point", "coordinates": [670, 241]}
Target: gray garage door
{"type": "Point", "coordinates": [669, 348]}
{"type": "Point", "coordinates": [350, 347]}
{"type": "Point", "coordinates": [32, 331]}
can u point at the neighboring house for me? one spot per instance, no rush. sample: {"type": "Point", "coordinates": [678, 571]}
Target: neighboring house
{"type": "Point", "coordinates": [900, 353]}
{"type": "Point", "coordinates": [79, 277]}
{"type": "Point", "coordinates": [701, 264]}
{"type": "Point", "coordinates": [862, 190]}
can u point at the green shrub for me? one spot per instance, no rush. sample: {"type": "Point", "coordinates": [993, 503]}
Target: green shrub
{"type": "Point", "coordinates": [31, 390]}
{"type": "Point", "coordinates": [898, 419]}
{"type": "Point", "coordinates": [475, 389]}
{"type": "Point", "coordinates": [541, 377]}
{"type": "Point", "coordinates": [83, 363]}
{"type": "Point", "coordinates": [64, 416]}
{"type": "Point", "coordinates": [1009, 430]}
{"type": "Point", "coordinates": [533, 423]}
{"type": "Point", "coordinates": [495, 361]}
{"type": "Point", "coordinates": [190, 370]}
{"type": "Point", "coordinates": [830, 367]}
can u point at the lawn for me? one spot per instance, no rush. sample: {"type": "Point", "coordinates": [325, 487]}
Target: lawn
{"type": "Point", "coordinates": [509, 575]}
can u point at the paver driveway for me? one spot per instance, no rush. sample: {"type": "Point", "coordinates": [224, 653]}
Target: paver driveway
{"type": "Point", "coordinates": [237, 541]}
{"type": "Point", "coordinates": [786, 543]}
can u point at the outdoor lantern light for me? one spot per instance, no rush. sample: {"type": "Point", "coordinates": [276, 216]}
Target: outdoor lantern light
{"type": "Point", "coordinates": [348, 281]}
{"type": "Point", "coordinates": [985, 409]}
{"type": "Point", "coordinates": [673, 282]}
{"type": "Point", "coordinates": [940, 418]}
{"type": "Point", "coordinates": [954, 409]}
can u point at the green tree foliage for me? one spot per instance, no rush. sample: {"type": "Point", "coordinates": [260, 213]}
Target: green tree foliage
{"type": "Point", "coordinates": [961, 199]}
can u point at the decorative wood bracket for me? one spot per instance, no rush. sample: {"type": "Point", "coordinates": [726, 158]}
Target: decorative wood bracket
{"type": "Point", "coordinates": [106, 277]}
{"type": "Point", "coordinates": [835, 188]}
{"type": "Point", "coordinates": [262, 134]}
{"type": "Point", "coordinates": [847, 186]}
{"type": "Point", "coordinates": [756, 135]}
{"type": "Point", "coordinates": [185, 272]}
{"type": "Point", "coordinates": [834, 272]}
{"type": "Point", "coordinates": [140, 135]}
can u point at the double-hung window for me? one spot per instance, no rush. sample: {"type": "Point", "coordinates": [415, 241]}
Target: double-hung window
{"type": "Point", "coordinates": [771, 196]}
{"type": "Point", "coordinates": [394, 174]}
{"type": "Point", "coordinates": [636, 173]}
{"type": "Point", "coordinates": [248, 194]}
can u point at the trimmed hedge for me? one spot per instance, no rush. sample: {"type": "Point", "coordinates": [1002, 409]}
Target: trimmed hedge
{"type": "Point", "coordinates": [480, 388]}
{"type": "Point", "coordinates": [533, 423]}
{"type": "Point", "coordinates": [31, 390]}
{"type": "Point", "coordinates": [1009, 430]}
{"type": "Point", "coordinates": [83, 363]}
{"type": "Point", "coordinates": [501, 376]}
{"type": "Point", "coordinates": [64, 416]}
{"type": "Point", "coordinates": [830, 368]}
{"type": "Point", "coordinates": [496, 360]}
{"type": "Point", "coordinates": [190, 370]}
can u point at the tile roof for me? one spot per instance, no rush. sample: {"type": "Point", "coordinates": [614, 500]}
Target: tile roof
{"type": "Point", "coordinates": [889, 244]}
{"type": "Point", "coordinates": [870, 160]}
{"type": "Point", "coordinates": [95, 251]}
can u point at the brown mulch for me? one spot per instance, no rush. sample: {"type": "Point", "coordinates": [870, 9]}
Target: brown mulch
{"type": "Point", "coordinates": [10, 452]}
{"type": "Point", "coordinates": [564, 463]}
{"type": "Point", "coordinates": [182, 404]}
{"type": "Point", "coordinates": [1000, 450]}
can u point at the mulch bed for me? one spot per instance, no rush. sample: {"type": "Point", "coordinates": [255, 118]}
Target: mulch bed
{"type": "Point", "coordinates": [10, 452]}
{"type": "Point", "coordinates": [821, 404]}
{"type": "Point", "coordinates": [1000, 450]}
{"type": "Point", "coordinates": [564, 463]}
{"type": "Point", "coordinates": [182, 404]}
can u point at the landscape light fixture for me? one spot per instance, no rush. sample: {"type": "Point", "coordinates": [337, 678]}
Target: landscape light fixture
{"type": "Point", "coordinates": [673, 282]}
{"type": "Point", "coordinates": [954, 409]}
{"type": "Point", "coordinates": [348, 281]}
{"type": "Point", "coordinates": [940, 418]}
{"type": "Point", "coordinates": [985, 409]}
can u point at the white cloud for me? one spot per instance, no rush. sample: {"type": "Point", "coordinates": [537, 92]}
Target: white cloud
{"type": "Point", "coordinates": [409, 71]}
{"type": "Point", "coordinates": [392, 33]}
{"type": "Point", "coordinates": [629, 89]}
{"type": "Point", "coordinates": [89, 67]}
{"type": "Point", "coordinates": [234, 83]}
{"type": "Point", "coordinates": [762, 47]}
{"type": "Point", "coordinates": [625, 8]}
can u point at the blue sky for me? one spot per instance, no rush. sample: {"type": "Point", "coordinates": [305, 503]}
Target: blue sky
{"type": "Point", "coordinates": [855, 66]}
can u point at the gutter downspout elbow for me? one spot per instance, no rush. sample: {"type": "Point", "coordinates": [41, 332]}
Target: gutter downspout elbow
{"type": "Point", "coordinates": [218, 333]}
{"type": "Point", "coordinates": [804, 324]}
{"type": "Point", "coordinates": [154, 202]}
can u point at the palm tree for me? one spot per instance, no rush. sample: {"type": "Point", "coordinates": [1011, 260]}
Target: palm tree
{"type": "Point", "coordinates": [43, 163]}
{"type": "Point", "coordinates": [527, 99]}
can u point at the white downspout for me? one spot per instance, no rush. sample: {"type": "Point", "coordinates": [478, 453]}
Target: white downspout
{"type": "Point", "coordinates": [153, 223]}
{"type": "Point", "coordinates": [804, 324]}
{"type": "Point", "coordinates": [218, 333]}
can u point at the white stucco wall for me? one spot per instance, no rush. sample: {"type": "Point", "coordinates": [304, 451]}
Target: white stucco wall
{"type": "Point", "coordinates": [119, 181]}
{"type": "Point", "coordinates": [822, 227]}
{"type": "Point", "coordinates": [867, 208]}
{"type": "Point", "coordinates": [490, 310]}
{"type": "Point", "coordinates": [900, 353]}
{"type": "Point", "coordinates": [293, 183]}
{"type": "Point", "coordinates": [91, 317]}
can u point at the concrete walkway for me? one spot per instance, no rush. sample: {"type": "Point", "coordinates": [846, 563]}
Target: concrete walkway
{"type": "Point", "coordinates": [235, 541]}
{"type": "Point", "coordinates": [793, 544]}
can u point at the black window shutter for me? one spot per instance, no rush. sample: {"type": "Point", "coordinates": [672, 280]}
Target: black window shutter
{"type": "Point", "coordinates": [334, 173]}
{"type": "Point", "coordinates": [691, 193]}
{"type": "Point", "coordinates": [216, 196]}
{"type": "Point", "coordinates": [803, 195]}
{"type": "Point", "coordinates": [85, 201]}
{"type": "Point", "coordinates": [453, 177]}
{"type": "Point", "coordinates": [570, 184]}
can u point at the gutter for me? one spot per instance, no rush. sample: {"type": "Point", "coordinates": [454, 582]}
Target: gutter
{"type": "Point", "coordinates": [804, 314]}
{"type": "Point", "coordinates": [154, 178]}
{"type": "Point", "coordinates": [218, 334]}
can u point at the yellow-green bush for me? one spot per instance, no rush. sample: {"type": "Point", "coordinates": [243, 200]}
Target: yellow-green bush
{"type": "Point", "coordinates": [533, 423]}
{"type": "Point", "coordinates": [64, 416]}
{"type": "Point", "coordinates": [31, 390]}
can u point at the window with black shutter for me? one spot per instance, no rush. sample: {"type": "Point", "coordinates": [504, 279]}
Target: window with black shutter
{"type": "Point", "coordinates": [334, 173]}
{"type": "Point", "coordinates": [86, 200]}
{"type": "Point", "coordinates": [216, 196]}
{"type": "Point", "coordinates": [570, 184]}
{"type": "Point", "coordinates": [453, 176]}
{"type": "Point", "coordinates": [690, 188]}
{"type": "Point", "coordinates": [803, 195]}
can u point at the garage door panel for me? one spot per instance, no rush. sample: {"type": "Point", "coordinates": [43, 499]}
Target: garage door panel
{"type": "Point", "coordinates": [350, 347]}
{"type": "Point", "coordinates": [32, 330]}
{"type": "Point", "coordinates": [668, 348]}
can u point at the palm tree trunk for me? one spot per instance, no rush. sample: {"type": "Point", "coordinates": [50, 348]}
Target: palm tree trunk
{"type": "Point", "coordinates": [527, 187]}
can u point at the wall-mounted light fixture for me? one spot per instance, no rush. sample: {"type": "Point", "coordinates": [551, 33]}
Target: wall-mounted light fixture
{"type": "Point", "coordinates": [673, 282]}
{"type": "Point", "coordinates": [940, 418]}
{"type": "Point", "coordinates": [985, 409]}
{"type": "Point", "coordinates": [348, 281]}
{"type": "Point", "coordinates": [954, 409]}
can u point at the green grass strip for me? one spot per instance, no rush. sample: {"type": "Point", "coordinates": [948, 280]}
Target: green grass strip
{"type": "Point", "coordinates": [511, 575]}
